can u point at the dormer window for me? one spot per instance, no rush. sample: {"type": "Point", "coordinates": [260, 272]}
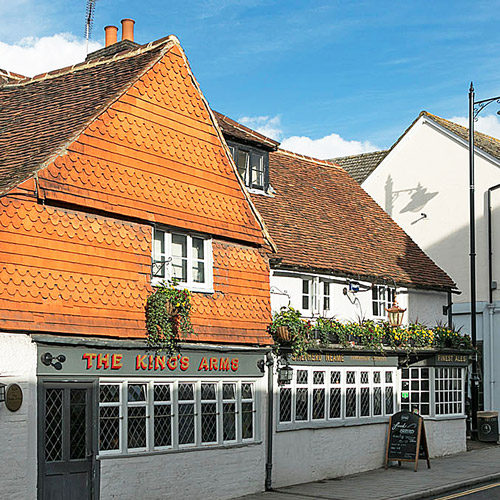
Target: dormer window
{"type": "Point", "coordinates": [252, 165]}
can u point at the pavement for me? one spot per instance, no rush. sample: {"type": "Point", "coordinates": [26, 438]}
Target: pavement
{"type": "Point", "coordinates": [478, 465]}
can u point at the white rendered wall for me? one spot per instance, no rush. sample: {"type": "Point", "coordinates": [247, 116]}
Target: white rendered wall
{"type": "Point", "coordinates": [314, 454]}
{"type": "Point", "coordinates": [202, 474]}
{"type": "Point", "coordinates": [18, 450]}
{"type": "Point", "coordinates": [428, 172]}
{"type": "Point", "coordinates": [445, 437]}
{"type": "Point", "coordinates": [426, 306]}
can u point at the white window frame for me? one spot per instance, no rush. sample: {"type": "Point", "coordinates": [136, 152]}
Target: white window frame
{"type": "Point", "coordinates": [343, 420]}
{"type": "Point", "coordinates": [382, 298]}
{"type": "Point", "coordinates": [434, 389]}
{"type": "Point", "coordinates": [207, 285]}
{"type": "Point", "coordinates": [174, 412]}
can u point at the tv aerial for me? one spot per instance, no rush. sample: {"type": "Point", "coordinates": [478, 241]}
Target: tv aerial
{"type": "Point", "coordinates": [89, 20]}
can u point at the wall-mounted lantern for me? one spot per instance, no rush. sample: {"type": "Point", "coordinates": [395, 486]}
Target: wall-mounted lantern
{"type": "Point", "coordinates": [2, 392]}
{"type": "Point", "coordinates": [285, 373]}
{"type": "Point", "coordinates": [395, 314]}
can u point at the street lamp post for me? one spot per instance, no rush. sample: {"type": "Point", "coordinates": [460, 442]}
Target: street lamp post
{"type": "Point", "coordinates": [475, 107]}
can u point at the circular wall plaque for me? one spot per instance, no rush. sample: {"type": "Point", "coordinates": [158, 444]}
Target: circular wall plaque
{"type": "Point", "coordinates": [14, 397]}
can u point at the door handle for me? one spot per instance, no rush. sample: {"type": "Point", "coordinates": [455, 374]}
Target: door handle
{"type": "Point", "coordinates": [89, 455]}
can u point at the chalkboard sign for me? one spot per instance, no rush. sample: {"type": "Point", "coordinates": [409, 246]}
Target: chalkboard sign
{"type": "Point", "coordinates": [405, 436]}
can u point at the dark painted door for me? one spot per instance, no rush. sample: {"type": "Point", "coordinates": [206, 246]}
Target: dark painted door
{"type": "Point", "coordinates": [66, 455]}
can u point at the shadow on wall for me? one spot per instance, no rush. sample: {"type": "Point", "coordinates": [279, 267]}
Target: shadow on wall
{"type": "Point", "coordinates": [419, 197]}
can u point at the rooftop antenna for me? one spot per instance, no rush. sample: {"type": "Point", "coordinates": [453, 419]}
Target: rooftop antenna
{"type": "Point", "coordinates": [89, 20]}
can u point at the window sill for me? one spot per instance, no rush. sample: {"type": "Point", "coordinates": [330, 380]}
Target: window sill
{"type": "Point", "coordinates": [130, 454]}
{"type": "Point", "coordinates": [181, 286]}
{"type": "Point", "coordinates": [286, 427]}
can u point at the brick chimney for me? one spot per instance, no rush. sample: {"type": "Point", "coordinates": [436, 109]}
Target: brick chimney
{"type": "Point", "coordinates": [128, 29]}
{"type": "Point", "coordinates": [111, 35]}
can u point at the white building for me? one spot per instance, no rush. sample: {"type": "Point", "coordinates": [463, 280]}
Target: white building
{"type": "Point", "coordinates": [422, 182]}
{"type": "Point", "coordinates": [341, 256]}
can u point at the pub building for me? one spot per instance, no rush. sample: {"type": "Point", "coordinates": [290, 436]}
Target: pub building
{"type": "Point", "coordinates": [117, 176]}
{"type": "Point", "coordinates": [341, 256]}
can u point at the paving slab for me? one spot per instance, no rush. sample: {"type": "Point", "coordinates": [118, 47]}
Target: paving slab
{"type": "Point", "coordinates": [400, 483]}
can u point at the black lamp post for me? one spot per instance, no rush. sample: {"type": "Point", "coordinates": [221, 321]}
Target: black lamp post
{"type": "Point", "coordinates": [475, 107]}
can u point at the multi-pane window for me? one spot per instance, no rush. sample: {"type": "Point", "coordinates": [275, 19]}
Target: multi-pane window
{"type": "Point", "coordinates": [184, 257]}
{"type": "Point", "coordinates": [326, 296]}
{"type": "Point", "coordinates": [307, 298]}
{"type": "Point", "coordinates": [109, 417]}
{"type": "Point", "coordinates": [162, 415]}
{"type": "Point", "coordinates": [337, 393]}
{"type": "Point", "coordinates": [382, 297]}
{"type": "Point", "coordinates": [149, 416]}
{"type": "Point", "coordinates": [251, 165]}
{"type": "Point", "coordinates": [415, 390]}
{"type": "Point", "coordinates": [447, 397]}
{"type": "Point", "coordinates": [316, 296]}
{"type": "Point", "coordinates": [449, 391]}
{"type": "Point", "coordinates": [136, 416]}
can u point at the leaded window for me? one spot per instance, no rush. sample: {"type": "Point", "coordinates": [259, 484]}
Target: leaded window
{"type": "Point", "coordinates": [109, 417]}
{"type": "Point", "coordinates": [336, 394]}
{"type": "Point", "coordinates": [158, 415]}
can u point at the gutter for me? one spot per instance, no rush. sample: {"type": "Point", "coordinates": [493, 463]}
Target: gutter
{"type": "Point", "coordinates": [490, 244]}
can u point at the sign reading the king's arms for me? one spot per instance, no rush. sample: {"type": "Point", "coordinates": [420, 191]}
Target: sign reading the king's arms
{"type": "Point", "coordinates": [85, 361]}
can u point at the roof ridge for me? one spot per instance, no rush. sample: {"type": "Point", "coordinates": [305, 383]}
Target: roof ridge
{"type": "Point", "coordinates": [250, 131]}
{"type": "Point", "coordinates": [360, 154]}
{"type": "Point", "coordinates": [325, 163]}
{"type": "Point", "coordinates": [431, 115]}
{"type": "Point", "coordinates": [91, 64]}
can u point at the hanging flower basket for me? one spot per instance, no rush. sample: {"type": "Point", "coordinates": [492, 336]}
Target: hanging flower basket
{"type": "Point", "coordinates": [171, 310]}
{"type": "Point", "coordinates": [283, 334]}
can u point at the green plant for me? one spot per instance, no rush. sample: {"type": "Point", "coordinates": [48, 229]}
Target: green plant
{"type": "Point", "coordinates": [449, 337]}
{"type": "Point", "coordinates": [168, 315]}
{"type": "Point", "coordinates": [330, 331]}
{"type": "Point", "coordinates": [298, 330]}
{"type": "Point", "coordinates": [369, 334]}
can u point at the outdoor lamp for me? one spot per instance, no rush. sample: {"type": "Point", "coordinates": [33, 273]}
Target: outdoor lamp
{"type": "Point", "coordinates": [395, 314]}
{"type": "Point", "coordinates": [285, 374]}
{"type": "Point", "coordinates": [2, 392]}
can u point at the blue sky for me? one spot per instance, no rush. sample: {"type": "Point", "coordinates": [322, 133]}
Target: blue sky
{"type": "Point", "coordinates": [345, 76]}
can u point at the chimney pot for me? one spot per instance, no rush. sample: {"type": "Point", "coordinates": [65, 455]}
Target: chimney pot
{"type": "Point", "coordinates": [128, 29]}
{"type": "Point", "coordinates": [111, 34]}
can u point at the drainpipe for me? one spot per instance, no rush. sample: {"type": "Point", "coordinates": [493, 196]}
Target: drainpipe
{"type": "Point", "coordinates": [491, 307]}
{"type": "Point", "coordinates": [449, 311]}
{"type": "Point", "coordinates": [490, 245]}
{"type": "Point", "coordinates": [270, 418]}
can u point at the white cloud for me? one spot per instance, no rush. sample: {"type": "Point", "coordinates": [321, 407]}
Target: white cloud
{"type": "Point", "coordinates": [32, 56]}
{"type": "Point", "coordinates": [270, 126]}
{"type": "Point", "coordinates": [489, 124]}
{"type": "Point", "coordinates": [330, 146]}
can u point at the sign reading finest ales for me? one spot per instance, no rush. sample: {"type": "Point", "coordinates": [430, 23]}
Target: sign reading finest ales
{"type": "Point", "coordinates": [406, 440]}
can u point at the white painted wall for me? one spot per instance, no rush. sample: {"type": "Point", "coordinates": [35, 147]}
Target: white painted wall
{"type": "Point", "coordinates": [314, 454]}
{"type": "Point", "coordinates": [428, 172]}
{"type": "Point", "coordinates": [426, 306]}
{"type": "Point", "coordinates": [445, 437]}
{"type": "Point", "coordinates": [18, 429]}
{"type": "Point", "coordinates": [202, 474]}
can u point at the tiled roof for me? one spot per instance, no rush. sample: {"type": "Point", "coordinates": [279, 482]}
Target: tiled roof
{"type": "Point", "coordinates": [359, 167]}
{"type": "Point", "coordinates": [236, 130]}
{"type": "Point", "coordinates": [485, 142]}
{"type": "Point", "coordinates": [57, 106]}
{"type": "Point", "coordinates": [322, 220]}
